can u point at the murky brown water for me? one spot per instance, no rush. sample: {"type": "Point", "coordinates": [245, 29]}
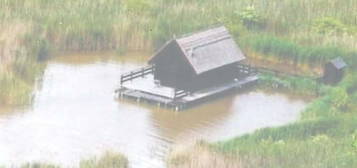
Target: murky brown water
{"type": "Point", "coordinates": [75, 116]}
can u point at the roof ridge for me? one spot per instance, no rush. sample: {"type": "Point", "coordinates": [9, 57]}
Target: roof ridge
{"type": "Point", "coordinates": [205, 41]}
{"type": "Point", "coordinates": [209, 36]}
{"type": "Point", "coordinates": [216, 26]}
{"type": "Point", "coordinates": [209, 49]}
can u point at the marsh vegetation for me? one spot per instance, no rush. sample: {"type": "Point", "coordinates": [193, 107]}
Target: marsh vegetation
{"type": "Point", "coordinates": [304, 34]}
{"type": "Point", "coordinates": [300, 32]}
{"type": "Point", "coordinates": [108, 160]}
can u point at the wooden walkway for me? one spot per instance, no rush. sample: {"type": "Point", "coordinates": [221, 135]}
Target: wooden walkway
{"type": "Point", "coordinates": [147, 84]}
{"type": "Point", "coordinates": [145, 90]}
{"type": "Point", "coordinates": [140, 86]}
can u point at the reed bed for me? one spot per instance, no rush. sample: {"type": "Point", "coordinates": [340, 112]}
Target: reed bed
{"type": "Point", "coordinates": [325, 136]}
{"type": "Point", "coordinates": [315, 144]}
{"type": "Point", "coordinates": [108, 160]}
{"type": "Point", "coordinates": [303, 31]}
{"type": "Point", "coordinates": [318, 143]}
{"type": "Point", "coordinates": [19, 68]}
{"type": "Point", "coordinates": [140, 24]}
{"type": "Point", "coordinates": [286, 50]}
{"type": "Point", "coordinates": [202, 155]}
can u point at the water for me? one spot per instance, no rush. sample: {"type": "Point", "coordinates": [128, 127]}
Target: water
{"type": "Point", "coordinates": [75, 116]}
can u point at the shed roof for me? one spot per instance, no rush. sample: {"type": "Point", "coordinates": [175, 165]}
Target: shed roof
{"type": "Point", "coordinates": [209, 49]}
{"type": "Point", "coordinates": [338, 63]}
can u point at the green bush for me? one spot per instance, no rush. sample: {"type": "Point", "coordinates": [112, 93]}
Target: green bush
{"type": "Point", "coordinates": [138, 6]}
{"type": "Point", "coordinates": [109, 160]}
{"type": "Point", "coordinates": [250, 17]}
{"type": "Point", "coordinates": [354, 143]}
{"type": "Point", "coordinates": [338, 98]}
{"type": "Point", "coordinates": [39, 165]}
{"type": "Point", "coordinates": [298, 85]}
{"type": "Point", "coordinates": [329, 25]}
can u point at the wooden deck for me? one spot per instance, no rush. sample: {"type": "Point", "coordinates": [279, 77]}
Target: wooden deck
{"type": "Point", "coordinates": [146, 84]}
{"type": "Point", "coordinates": [144, 89]}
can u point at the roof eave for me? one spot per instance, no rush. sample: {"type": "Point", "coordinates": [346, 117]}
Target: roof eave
{"type": "Point", "coordinates": [154, 56]}
{"type": "Point", "coordinates": [185, 57]}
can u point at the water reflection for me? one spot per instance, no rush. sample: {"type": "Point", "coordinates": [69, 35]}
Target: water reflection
{"type": "Point", "coordinates": [75, 116]}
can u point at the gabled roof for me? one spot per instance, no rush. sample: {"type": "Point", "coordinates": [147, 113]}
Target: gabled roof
{"type": "Point", "coordinates": [208, 50]}
{"type": "Point", "coordinates": [338, 63]}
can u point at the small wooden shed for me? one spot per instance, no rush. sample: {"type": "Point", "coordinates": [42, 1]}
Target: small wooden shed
{"type": "Point", "coordinates": [198, 60]}
{"type": "Point", "coordinates": [334, 71]}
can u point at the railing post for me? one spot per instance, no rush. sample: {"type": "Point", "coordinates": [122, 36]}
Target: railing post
{"type": "Point", "coordinates": [175, 96]}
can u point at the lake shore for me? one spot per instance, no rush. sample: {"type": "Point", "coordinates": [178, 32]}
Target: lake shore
{"type": "Point", "coordinates": [302, 34]}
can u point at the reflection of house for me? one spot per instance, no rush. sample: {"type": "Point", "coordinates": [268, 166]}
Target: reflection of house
{"type": "Point", "coordinates": [334, 71]}
{"type": "Point", "coordinates": [198, 60]}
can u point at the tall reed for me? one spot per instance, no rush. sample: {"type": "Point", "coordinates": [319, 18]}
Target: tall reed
{"type": "Point", "coordinates": [139, 24]}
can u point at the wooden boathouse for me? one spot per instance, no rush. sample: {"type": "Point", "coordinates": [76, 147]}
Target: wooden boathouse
{"type": "Point", "coordinates": [334, 71]}
{"type": "Point", "coordinates": [190, 69]}
{"type": "Point", "coordinates": [197, 61]}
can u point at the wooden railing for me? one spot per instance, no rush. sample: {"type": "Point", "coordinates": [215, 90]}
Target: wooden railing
{"type": "Point", "coordinates": [179, 93]}
{"type": "Point", "coordinates": [136, 74]}
{"type": "Point", "coordinates": [247, 69]}
{"type": "Point", "coordinates": [284, 73]}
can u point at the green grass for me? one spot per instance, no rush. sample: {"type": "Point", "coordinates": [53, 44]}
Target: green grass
{"type": "Point", "coordinates": [287, 50]}
{"type": "Point", "coordinates": [140, 24]}
{"type": "Point", "coordinates": [18, 80]}
{"type": "Point", "coordinates": [109, 160]}
{"type": "Point", "coordinates": [296, 85]}
{"type": "Point", "coordinates": [325, 136]}
{"type": "Point", "coordinates": [311, 143]}
{"type": "Point", "coordinates": [302, 31]}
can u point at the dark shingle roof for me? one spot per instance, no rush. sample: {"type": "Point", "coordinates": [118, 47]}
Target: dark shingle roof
{"type": "Point", "coordinates": [338, 63]}
{"type": "Point", "coordinates": [210, 49]}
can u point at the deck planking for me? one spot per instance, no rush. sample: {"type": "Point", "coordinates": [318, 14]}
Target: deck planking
{"type": "Point", "coordinates": [146, 84]}
{"type": "Point", "coordinates": [145, 89]}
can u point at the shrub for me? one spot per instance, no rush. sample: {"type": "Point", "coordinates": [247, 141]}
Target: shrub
{"type": "Point", "coordinates": [138, 6]}
{"type": "Point", "coordinates": [354, 143]}
{"type": "Point", "coordinates": [39, 165]}
{"type": "Point", "coordinates": [338, 98]}
{"type": "Point", "coordinates": [329, 25]}
{"type": "Point", "coordinates": [250, 17]}
{"type": "Point", "coordinates": [109, 160]}
{"type": "Point", "coordinates": [299, 85]}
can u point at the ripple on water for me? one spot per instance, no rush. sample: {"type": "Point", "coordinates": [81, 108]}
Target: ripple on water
{"type": "Point", "coordinates": [75, 116]}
